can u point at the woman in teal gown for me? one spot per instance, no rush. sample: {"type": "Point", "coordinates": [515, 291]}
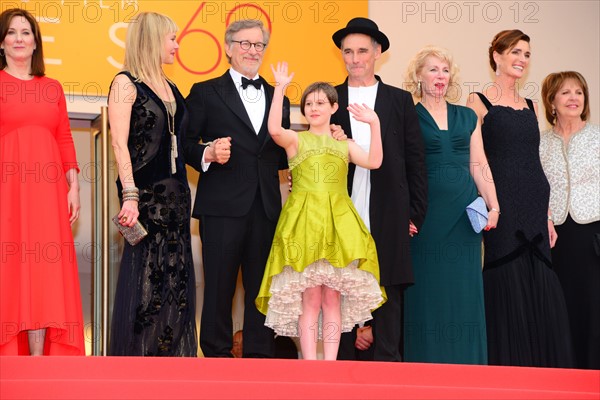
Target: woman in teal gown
{"type": "Point", "coordinates": [444, 309]}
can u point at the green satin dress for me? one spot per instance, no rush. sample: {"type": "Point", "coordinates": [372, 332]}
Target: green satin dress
{"type": "Point", "coordinates": [444, 319]}
{"type": "Point", "coordinates": [320, 239]}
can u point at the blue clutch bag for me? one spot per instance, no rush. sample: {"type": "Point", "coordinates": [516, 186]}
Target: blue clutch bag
{"type": "Point", "coordinates": [478, 214]}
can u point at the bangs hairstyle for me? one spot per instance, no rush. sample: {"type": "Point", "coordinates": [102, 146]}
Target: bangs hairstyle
{"type": "Point", "coordinates": [418, 62]}
{"type": "Point", "coordinates": [144, 44]}
{"type": "Point", "coordinates": [329, 91]}
{"type": "Point", "coordinates": [503, 41]}
{"type": "Point", "coordinates": [242, 24]}
{"type": "Point", "coordinates": [552, 84]}
{"type": "Point", "coordinates": [37, 59]}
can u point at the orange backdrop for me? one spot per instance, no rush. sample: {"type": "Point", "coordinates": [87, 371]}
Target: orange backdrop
{"type": "Point", "coordinates": [84, 39]}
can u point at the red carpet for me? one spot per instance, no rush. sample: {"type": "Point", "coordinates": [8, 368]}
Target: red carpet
{"type": "Point", "coordinates": [178, 378]}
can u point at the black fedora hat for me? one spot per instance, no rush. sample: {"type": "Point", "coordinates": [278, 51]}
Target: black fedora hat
{"type": "Point", "coordinates": [364, 26]}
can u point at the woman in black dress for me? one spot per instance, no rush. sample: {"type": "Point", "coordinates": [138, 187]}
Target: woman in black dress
{"type": "Point", "coordinates": [154, 311]}
{"type": "Point", "coordinates": [527, 322]}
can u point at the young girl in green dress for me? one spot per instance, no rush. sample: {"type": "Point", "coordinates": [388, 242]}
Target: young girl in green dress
{"type": "Point", "coordinates": [323, 258]}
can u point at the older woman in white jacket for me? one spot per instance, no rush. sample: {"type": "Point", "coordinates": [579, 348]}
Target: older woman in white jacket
{"type": "Point", "coordinates": [570, 155]}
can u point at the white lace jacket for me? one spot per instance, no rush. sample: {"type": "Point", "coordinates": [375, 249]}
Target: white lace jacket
{"type": "Point", "coordinates": [574, 174]}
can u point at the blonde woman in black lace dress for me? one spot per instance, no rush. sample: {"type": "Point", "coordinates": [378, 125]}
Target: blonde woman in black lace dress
{"type": "Point", "coordinates": [154, 309]}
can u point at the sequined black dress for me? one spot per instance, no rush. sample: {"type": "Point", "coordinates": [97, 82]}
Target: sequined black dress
{"type": "Point", "coordinates": [526, 315]}
{"type": "Point", "coordinates": [155, 303]}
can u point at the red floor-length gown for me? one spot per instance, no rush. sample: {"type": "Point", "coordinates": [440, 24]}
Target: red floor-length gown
{"type": "Point", "coordinates": [39, 283]}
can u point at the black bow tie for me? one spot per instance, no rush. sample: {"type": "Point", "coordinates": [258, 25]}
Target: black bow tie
{"type": "Point", "coordinates": [254, 82]}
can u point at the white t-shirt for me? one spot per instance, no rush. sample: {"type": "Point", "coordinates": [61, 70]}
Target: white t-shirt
{"type": "Point", "coordinates": [361, 133]}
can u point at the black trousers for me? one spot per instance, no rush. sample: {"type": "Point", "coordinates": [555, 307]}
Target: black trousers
{"type": "Point", "coordinates": [227, 244]}
{"type": "Point", "coordinates": [577, 265]}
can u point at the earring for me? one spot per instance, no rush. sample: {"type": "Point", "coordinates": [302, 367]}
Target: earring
{"type": "Point", "coordinates": [419, 87]}
{"type": "Point", "coordinates": [1, 52]}
{"type": "Point", "coordinates": [553, 110]}
{"type": "Point", "coordinates": [498, 70]}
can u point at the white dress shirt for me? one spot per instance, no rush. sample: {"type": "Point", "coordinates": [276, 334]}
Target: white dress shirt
{"type": "Point", "coordinates": [254, 103]}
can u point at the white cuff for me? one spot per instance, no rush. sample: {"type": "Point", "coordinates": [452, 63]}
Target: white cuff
{"type": "Point", "coordinates": [204, 164]}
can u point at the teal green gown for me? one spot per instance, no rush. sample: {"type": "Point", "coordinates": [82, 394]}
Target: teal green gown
{"type": "Point", "coordinates": [320, 239]}
{"type": "Point", "coordinates": [444, 309]}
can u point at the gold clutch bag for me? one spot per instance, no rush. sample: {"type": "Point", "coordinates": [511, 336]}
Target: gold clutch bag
{"type": "Point", "coordinates": [133, 234]}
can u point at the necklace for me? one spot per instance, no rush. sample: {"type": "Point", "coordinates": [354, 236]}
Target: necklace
{"type": "Point", "coordinates": [171, 107]}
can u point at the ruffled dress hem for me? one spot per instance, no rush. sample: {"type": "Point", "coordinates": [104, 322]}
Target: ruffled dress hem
{"type": "Point", "coordinates": [360, 294]}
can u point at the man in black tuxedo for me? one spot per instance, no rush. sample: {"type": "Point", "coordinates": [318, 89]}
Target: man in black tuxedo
{"type": "Point", "coordinates": [238, 199]}
{"type": "Point", "coordinates": [392, 200]}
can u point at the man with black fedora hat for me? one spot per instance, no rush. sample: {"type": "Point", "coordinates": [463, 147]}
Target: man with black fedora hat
{"type": "Point", "coordinates": [392, 200]}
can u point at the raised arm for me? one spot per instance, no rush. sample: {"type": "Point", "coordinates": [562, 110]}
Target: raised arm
{"type": "Point", "coordinates": [374, 158]}
{"type": "Point", "coordinates": [286, 138]}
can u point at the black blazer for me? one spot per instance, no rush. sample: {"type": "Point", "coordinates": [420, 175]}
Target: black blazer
{"type": "Point", "coordinates": [216, 110]}
{"type": "Point", "coordinates": [399, 186]}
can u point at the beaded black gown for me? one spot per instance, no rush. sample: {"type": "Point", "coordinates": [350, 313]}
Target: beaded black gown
{"type": "Point", "coordinates": [155, 302]}
{"type": "Point", "coordinates": [526, 315]}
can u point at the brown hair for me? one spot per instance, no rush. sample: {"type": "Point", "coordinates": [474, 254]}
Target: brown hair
{"type": "Point", "coordinates": [329, 91]}
{"type": "Point", "coordinates": [503, 41]}
{"type": "Point", "coordinates": [37, 59]}
{"type": "Point", "coordinates": [551, 86]}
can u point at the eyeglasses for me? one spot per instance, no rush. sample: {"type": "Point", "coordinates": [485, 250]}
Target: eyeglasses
{"type": "Point", "coordinates": [245, 45]}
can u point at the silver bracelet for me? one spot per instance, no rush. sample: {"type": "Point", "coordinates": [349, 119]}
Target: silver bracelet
{"type": "Point", "coordinates": [132, 189]}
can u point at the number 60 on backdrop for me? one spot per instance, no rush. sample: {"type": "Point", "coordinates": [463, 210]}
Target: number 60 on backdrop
{"type": "Point", "coordinates": [84, 40]}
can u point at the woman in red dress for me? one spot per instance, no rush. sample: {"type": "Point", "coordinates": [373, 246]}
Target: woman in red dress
{"type": "Point", "coordinates": [40, 301]}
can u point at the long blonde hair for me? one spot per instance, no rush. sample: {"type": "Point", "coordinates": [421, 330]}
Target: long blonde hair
{"type": "Point", "coordinates": [143, 46]}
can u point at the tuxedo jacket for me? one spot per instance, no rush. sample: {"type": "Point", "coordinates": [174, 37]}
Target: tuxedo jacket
{"type": "Point", "coordinates": [399, 186]}
{"type": "Point", "coordinates": [216, 110]}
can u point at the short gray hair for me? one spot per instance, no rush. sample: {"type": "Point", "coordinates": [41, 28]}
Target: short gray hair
{"type": "Point", "coordinates": [242, 24]}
